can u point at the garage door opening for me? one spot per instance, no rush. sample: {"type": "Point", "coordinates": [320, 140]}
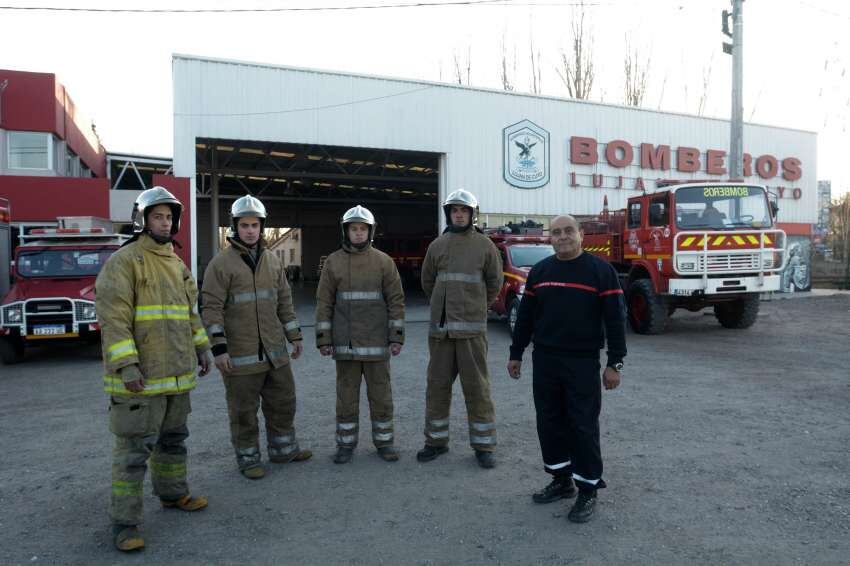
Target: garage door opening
{"type": "Point", "coordinates": [306, 189]}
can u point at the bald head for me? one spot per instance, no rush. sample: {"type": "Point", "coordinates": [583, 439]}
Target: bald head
{"type": "Point", "coordinates": [565, 235]}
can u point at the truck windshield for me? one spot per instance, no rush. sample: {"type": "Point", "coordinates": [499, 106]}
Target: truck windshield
{"type": "Point", "coordinates": [62, 263]}
{"type": "Point", "coordinates": [528, 255]}
{"type": "Point", "coordinates": [719, 207]}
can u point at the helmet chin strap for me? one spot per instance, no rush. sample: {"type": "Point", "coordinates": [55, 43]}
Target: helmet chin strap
{"type": "Point", "coordinates": [161, 240]}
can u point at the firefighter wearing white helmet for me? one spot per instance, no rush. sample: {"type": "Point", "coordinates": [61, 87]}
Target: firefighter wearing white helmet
{"type": "Point", "coordinates": [249, 316]}
{"type": "Point", "coordinates": [153, 344]}
{"type": "Point", "coordinates": [461, 276]}
{"type": "Point", "coordinates": [360, 322]}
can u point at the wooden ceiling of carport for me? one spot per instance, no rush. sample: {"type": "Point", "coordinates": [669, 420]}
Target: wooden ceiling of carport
{"type": "Point", "coordinates": [314, 172]}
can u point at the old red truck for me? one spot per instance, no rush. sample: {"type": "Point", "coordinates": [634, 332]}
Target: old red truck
{"type": "Point", "coordinates": [52, 296]}
{"type": "Point", "coordinates": [692, 246]}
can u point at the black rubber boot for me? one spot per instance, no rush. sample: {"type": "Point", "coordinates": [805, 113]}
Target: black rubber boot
{"type": "Point", "coordinates": [485, 459]}
{"type": "Point", "coordinates": [583, 508]}
{"type": "Point", "coordinates": [343, 455]}
{"type": "Point", "coordinates": [561, 487]}
{"type": "Point", "coordinates": [430, 452]}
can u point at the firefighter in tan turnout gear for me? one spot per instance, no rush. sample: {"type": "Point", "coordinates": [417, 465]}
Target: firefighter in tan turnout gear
{"type": "Point", "coordinates": [360, 321]}
{"type": "Point", "coordinates": [461, 276]}
{"type": "Point", "coordinates": [249, 316]}
{"type": "Point", "coordinates": [153, 343]}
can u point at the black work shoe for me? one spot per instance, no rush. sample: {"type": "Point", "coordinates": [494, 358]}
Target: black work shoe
{"type": "Point", "coordinates": [343, 455]}
{"type": "Point", "coordinates": [485, 459]}
{"type": "Point", "coordinates": [430, 452]}
{"type": "Point", "coordinates": [583, 508]}
{"type": "Point", "coordinates": [559, 488]}
{"type": "Point", "coordinates": [388, 453]}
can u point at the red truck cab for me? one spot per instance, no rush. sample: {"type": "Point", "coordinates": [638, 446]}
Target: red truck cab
{"type": "Point", "coordinates": [519, 254]}
{"type": "Point", "coordinates": [52, 296]}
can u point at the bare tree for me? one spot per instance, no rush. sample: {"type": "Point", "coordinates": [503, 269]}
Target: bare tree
{"type": "Point", "coordinates": [635, 75]}
{"type": "Point", "coordinates": [839, 229]}
{"type": "Point", "coordinates": [576, 70]}
{"type": "Point", "coordinates": [508, 71]}
{"type": "Point", "coordinates": [661, 96]}
{"type": "Point", "coordinates": [706, 81]}
{"type": "Point", "coordinates": [536, 79]}
{"type": "Point", "coordinates": [463, 70]}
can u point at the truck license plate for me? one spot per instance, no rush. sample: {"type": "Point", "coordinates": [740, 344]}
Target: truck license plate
{"type": "Point", "coordinates": [48, 330]}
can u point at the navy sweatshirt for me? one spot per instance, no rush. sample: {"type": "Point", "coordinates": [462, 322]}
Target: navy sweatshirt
{"type": "Point", "coordinates": [570, 306]}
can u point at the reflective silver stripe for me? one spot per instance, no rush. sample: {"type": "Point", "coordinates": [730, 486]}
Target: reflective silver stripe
{"type": "Point", "coordinates": [382, 436]}
{"type": "Point", "coordinates": [436, 434]}
{"type": "Point", "coordinates": [460, 326]}
{"type": "Point", "coordinates": [382, 424]}
{"type": "Point", "coordinates": [349, 439]}
{"type": "Point", "coordinates": [253, 451]}
{"type": "Point", "coordinates": [282, 450]}
{"type": "Point", "coordinates": [323, 325]}
{"type": "Point", "coordinates": [250, 296]}
{"type": "Point", "coordinates": [359, 296]}
{"type": "Point", "coordinates": [361, 351]}
{"type": "Point", "coordinates": [346, 426]}
{"type": "Point", "coordinates": [292, 325]}
{"type": "Point", "coordinates": [439, 423]}
{"type": "Point", "coordinates": [245, 360]}
{"type": "Point", "coordinates": [215, 328]}
{"type": "Point", "coordinates": [579, 478]}
{"type": "Point", "coordinates": [462, 277]}
{"type": "Point", "coordinates": [396, 323]}
{"type": "Point", "coordinates": [280, 440]}
{"type": "Point", "coordinates": [558, 466]}
{"type": "Point", "coordinates": [482, 427]}
{"type": "Point", "coordinates": [482, 440]}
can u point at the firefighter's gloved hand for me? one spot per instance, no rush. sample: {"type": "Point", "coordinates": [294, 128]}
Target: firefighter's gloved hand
{"type": "Point", "coordinates": [133, 379]}
{"type": "Point", "coordinates": [205, 362]}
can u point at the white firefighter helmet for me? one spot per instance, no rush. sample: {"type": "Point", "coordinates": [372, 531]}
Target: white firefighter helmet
{"type": "Point", "coordinates": [462, 197]}
{"type": "Point", "coordinates": [358, 213]}
{"type": "Point", "coordinates": [151, 198]}
{"type": "Point", "coordinates": [247, 206]}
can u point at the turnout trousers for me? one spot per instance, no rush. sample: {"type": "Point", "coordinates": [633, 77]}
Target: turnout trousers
{"type": "Point", "coordinates": [349, 375]}
{"type": "Point", "coordinates": [568, 399]}
{"type": "Point", "coordinates": [274, 390]}
{"type": "Point", "coordinates": [147, 428]}
{"type": "Point", "coordinates": [466, 357]}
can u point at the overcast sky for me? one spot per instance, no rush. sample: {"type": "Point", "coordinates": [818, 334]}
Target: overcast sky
{"type": "Point", "coordinates": [117, 67]}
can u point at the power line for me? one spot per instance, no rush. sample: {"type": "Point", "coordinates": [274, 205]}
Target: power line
{"type": "Point", "coordinates": [306, 109]}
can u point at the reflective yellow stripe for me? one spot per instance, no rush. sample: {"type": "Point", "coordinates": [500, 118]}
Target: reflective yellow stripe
{"type": "Point", "coordinates": [162, 312]}
{"type": "Point", "coordinates": [129, 488]}
{"type": "Point", "coordinates": [688, 241]}
{"type": "Point", "coordinates": [701, 242]}
{"type": "Point", "coordinates": [752, 239]}
{"type": "Point", "coordinates": [201, 337]}
{"type": "Point", "coordinates": [164, 470]}
{"type": "Point", "coordinates": [767, 239]}
{"type": "Point", "coordinates": [122, 349]}
{"type": "Point", "coordinates": [739, 240]}
{"type": "Point", "coordinates": [114, 385]}
{"type": "Point", "coordinates": [719, 240]}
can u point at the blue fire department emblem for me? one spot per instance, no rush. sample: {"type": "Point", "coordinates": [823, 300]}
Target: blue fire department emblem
{"type": "Point", "coordinates": [526, 155]}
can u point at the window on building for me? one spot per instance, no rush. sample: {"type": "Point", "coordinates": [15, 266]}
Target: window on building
{"type": "Point", "coordinates": [85, 172]}
{"type": "Point", "coordinates": [30, 150]}
{"type": "Point", "coordinates": [72, 164]}
{"type": "Point", "coordinates": [634, 215]}
{"type": "Point", "coordinates": [291, 255]}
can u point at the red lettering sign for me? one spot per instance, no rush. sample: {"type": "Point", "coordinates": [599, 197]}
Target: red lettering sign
{"type": "Point", "coordinates": [714, 162]}
{"type": "Point", "coordinates": [619, 146]}
{"type": "Point", "coordinates": [687, 159]}
{"type": "Point", "coordinates": [652, 157]}
{"type": "Point", "coordinates": [748, 165]}
{"type": "Point", "coordinates": [583, 151]}
{"type": "Point", "coordinates": [767, 166]}
{"type": "Point", "coordinates": [791, 169]}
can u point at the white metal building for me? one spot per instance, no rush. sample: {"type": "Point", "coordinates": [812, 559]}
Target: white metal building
{"type": "Point", "coordinates": [321, 141]}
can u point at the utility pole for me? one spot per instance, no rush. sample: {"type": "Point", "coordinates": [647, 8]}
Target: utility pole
{"type": "Point", "coordinates": [736, 49]}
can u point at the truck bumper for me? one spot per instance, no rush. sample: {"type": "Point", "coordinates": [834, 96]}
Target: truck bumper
{"type": "Point", "coordinates": [724, 286]}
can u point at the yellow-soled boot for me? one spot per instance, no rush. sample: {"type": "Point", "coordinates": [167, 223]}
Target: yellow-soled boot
{"type": "Point", "coordinates": [186, 503]}
{"type": "Point", "coordinates": [254, 472]}
{"type": "Point", "coordinates": [128, 538]}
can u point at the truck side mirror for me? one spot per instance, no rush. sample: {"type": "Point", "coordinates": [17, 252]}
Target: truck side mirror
{"type": "Point", "coordinates": [774, 209]}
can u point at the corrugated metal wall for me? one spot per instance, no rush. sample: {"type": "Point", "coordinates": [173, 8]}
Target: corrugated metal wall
{"type": "Point", "coordinates": [233, 100]}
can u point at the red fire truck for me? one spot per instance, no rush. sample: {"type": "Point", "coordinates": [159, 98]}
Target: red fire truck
{"type": "Point", "coordinates": [52, 297]}
{"type": "Point", "coordinates": [519, 251]}
{"type": "Point", "coordinates": [692, 246]}
{"type": "Point", "coordinates": [5, 245]}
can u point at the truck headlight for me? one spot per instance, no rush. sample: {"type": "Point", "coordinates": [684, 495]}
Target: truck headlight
{"type": "Point", "coordinates": [85, 311]}
{"type": "Point", "coordinates": [685, 264]}
{"type": "Point", "coordinates": [767, 261]}
{"type": "Point", "coordinates": [13, 314]}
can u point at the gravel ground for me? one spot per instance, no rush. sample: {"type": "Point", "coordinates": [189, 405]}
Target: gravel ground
{"type": "Point", "coordinates": [720, 447]}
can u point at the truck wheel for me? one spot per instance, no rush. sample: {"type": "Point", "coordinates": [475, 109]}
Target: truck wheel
{"type": "Point", "coordinates": [647, 310]}
{"type": "Point", "coordinates": [741, 313]}
{"type": "Point", "coordinates": [11, 351]}
{"type": "Point", "coordinates": [513, 311]}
